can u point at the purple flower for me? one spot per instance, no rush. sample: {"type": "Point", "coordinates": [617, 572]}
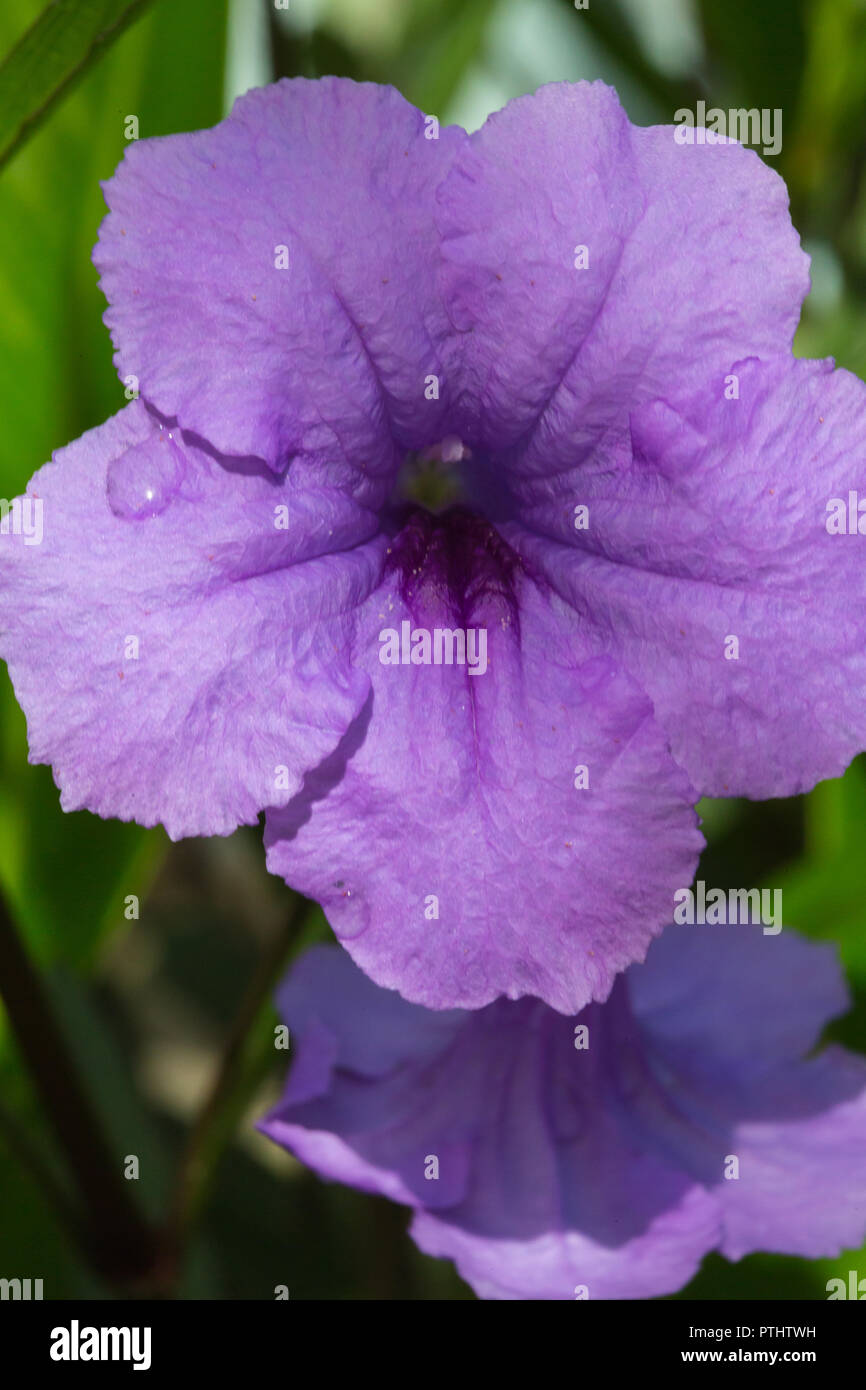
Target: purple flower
{"type": "Point", "coordinates": [600, 1156]}
{"type": "Point", "coordinates": [637, 600]}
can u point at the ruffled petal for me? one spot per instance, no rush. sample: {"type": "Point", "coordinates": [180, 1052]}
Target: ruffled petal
{"type": "Point", "coordinates": [514, 828]}
{"type": "Point", "coordinates": [178, 640]}
{"type": "Point", "coordinates": [271, 280]}
{"type": "Point", "coordinates": [592, 265]}
{"type": "Point", "coordinates": [708, 562]}
{"type": "Point", "coordinates": [732, 1020]}
{"type": "Point", "coordinates": [567, 1265]}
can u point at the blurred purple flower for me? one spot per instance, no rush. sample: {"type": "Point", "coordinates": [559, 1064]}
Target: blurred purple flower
{"type": "Point", "coordinates": [589, 325]}
{"type": "Point", "coordinates": [601, 1156]}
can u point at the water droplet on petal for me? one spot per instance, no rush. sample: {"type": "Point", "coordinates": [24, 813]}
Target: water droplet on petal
{"type": "Point", "coordinates": [353, 916]}
{"type": "Point", "coordinates": [142, 482]}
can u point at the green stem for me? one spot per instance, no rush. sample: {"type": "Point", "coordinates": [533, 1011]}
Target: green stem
{"type": "Point", "coordinates": [207, 1137]}
{"type": "Point", "coordinates": [825, 821]}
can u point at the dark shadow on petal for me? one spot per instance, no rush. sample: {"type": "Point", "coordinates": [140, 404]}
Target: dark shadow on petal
{"type": "Point", "coordinates": [284, 822]}
{"type": "Point", "coordinates": [249, 466]}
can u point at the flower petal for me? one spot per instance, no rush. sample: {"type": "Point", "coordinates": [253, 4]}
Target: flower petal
{"type": "Point", "coordinates": [516, 830]}
{"type": "Point", "coordinates": [559, 1266]}
{"type": "Point", "coordinates": [707, 568]}
{"type": "Point", "coordinates": [271, 281]}
{"type": "Point", "coordinates": [598, 1166]}
{"type": "Point", "coordinates": [732, 1020]}
{"type": "Point", "coordinates": [180, 657]}
{"type": "Point", "coordinates": [692, 263]}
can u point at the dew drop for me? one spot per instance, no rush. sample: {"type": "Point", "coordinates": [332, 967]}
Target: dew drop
{"type": "Point", "coordinates": [142, 482]}
{"type": "Point", "coordinates": [354, 914]}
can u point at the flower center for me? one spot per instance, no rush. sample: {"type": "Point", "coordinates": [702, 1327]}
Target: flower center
{"type": "Point", "coordinates": [434, 478]}
{"type": "Point", "coordinates": [455, 560]}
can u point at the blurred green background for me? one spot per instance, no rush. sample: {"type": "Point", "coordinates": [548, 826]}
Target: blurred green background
{"type": "Point", "coordinates": [147, 1005]}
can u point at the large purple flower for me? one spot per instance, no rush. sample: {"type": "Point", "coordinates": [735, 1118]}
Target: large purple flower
{"type": "Point", "coordinates": [600, 1156]}
{"type": "Point", "coordinates": [637, 591]}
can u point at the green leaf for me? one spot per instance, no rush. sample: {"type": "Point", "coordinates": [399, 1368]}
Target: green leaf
{"type": "Point", "coordinates": [823, 893]}
{"type": "Point", "coordinates": [610, 26]}
{"type": "Point", "coordinates": [436, 59]}
{"type": "Point", "coordinates": [67, 37]}
{"type": "Point", "coordinates": [756, 52]}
